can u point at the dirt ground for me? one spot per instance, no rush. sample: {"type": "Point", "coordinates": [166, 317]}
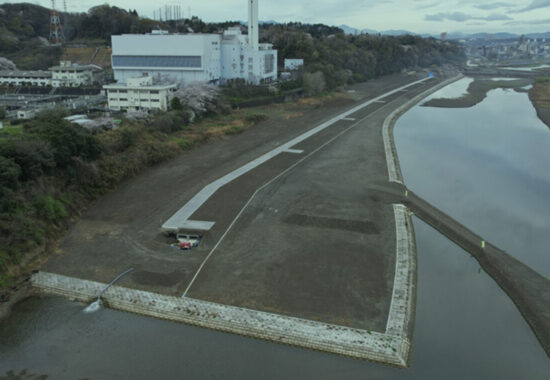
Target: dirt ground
{"type": "Point", "coordinates": [327, 253]}
{"type": "Point", "coordinates": [540, 96]}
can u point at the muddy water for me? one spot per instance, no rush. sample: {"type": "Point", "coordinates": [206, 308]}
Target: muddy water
{"type": "Point", "coordinates": [466, 328]}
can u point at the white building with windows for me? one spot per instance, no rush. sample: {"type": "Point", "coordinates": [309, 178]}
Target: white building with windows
{"type": "Point", "coordinates": [69, 75]}
{"type": "Point", "coordinates": [25, 78]}
{"type": "Point", "coordinates": [293, 64]}
{"type": "Point", "coordinates": [188, 58]}
{"type": "Point", "coordinates": [138, 94]}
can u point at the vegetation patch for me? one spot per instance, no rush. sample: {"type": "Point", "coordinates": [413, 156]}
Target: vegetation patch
{"type": "Point", "coordinates": [477, 91]}
{"type": "Point", "coordinates": [540, 96]}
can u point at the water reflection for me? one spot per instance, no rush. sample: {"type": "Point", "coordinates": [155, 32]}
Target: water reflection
{"type": "Point", "coordinates": [487, 166]}
{"type": "Point", "coordinates": [466, 328]}
{"type": "Point", "coordinates": [457, 90]}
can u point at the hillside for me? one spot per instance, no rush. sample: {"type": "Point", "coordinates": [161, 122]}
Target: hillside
{"type": "Point", "coordinates": [100, 56]}
{"type": "Point", "coordinates": [24, 29]}
{"type": "Point", "coordinates": [341, 58]}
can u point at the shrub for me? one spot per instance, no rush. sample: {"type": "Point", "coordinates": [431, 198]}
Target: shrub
{"type": "Point", "coordinates": [314, 83]}
{"type": "Point", "coordinates": [255, 118]}
{"type": "Point", "coordinates": [34, 157]}
{"type": "Point", "coordinates": [127, 138]}
{"type": "Point", "coordinates": [9, 173]}
{"type": "Point", "coordinates": [175, 104]}
{"type": "Point", "coordinates": [66, 139]}
{"type": "Point", "coordinates": [50, 209]}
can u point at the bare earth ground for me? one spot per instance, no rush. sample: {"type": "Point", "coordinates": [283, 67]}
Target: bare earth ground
{"type": "Point", "coordinates": [313, 244]}
{"type": "Point", "coordinates": [540, 96]}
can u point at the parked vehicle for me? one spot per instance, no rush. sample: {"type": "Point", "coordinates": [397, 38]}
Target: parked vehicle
{"type": "Point", "coordinates": [188, 240]}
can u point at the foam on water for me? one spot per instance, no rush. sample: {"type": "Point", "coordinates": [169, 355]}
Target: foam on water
{"type": "Point", "coordinates": [94, 306]}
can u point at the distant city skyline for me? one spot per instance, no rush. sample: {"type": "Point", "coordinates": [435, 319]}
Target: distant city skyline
{"type": "Point", "coordinates": [418, 16]}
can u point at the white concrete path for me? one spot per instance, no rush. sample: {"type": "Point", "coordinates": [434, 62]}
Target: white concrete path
{"type": "Point", "coordinates": [180, 220]}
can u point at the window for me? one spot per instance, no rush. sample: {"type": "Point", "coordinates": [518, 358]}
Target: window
{"type": "Point", "coordinates": [154, 92]}
{"type": "Point", "coordinates": [123, 99]}
{"type": "Point", "coordinates": [269, 63]}
{"type": "Point", "coordinates": [156, 61]}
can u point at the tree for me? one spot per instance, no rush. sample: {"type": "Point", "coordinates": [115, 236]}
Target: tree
{"type": "Point", "coordinates": [9, 173]}
{"type": "Point", "coordinates": [199, 97]}
{"type": "Point", "coordinates": [2, 113]}
{"type": "Point", "coordinates": [175, 104]}
{"type": "Point", "coordinates": [33, 157]}
{"type": "Point", "coordinates": [67, 139]}
{"type": "Point", "coordinates": [314, 83]}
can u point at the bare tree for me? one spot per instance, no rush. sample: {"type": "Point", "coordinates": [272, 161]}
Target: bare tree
{"type": "Point", "coordinates": [6, 64]}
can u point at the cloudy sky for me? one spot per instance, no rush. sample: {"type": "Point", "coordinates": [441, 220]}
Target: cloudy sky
{"type": "Point", "coordinates": [420, 16]}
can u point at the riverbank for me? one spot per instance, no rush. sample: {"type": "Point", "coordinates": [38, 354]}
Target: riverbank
{"type": "Point", "coordinates": [540, 97]}
{"type": "Point", "coordinates": [529, 290]}
{"type": "Point", "coordinates": [539, 94]}
{"type": "Point", "coordinates": [477, 91]}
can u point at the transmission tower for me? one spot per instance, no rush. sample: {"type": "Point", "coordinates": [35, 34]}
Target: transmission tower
{"type": "Point", "coordinates": [56, 31]}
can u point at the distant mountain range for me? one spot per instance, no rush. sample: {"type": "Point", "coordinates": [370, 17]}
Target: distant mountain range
{"type": "Point", "coordinates": [453, 36]}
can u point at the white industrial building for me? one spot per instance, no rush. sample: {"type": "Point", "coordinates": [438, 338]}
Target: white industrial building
{"type": "Point", "coordinates": [138, 94]}
{"type": "Point", "coordinates": [69, 75]}
{"type": "Point", "coordinates": [188, 58]}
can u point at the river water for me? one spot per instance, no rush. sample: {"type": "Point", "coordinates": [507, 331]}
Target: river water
{"type": "Point", "coordinates": [466, 328]}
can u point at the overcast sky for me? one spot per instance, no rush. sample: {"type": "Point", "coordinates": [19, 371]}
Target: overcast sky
{"type": "Point", "coordinates": [420, 16]}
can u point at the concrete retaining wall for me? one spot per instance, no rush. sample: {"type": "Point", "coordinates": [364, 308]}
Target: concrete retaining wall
{"type": "Point", "coordinates": [362, 344]}
{"type": "Point", "coordinates": [394, 171]}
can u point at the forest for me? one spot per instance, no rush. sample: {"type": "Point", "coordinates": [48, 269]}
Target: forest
{"type": "Point", "coordinates": [341, 58]}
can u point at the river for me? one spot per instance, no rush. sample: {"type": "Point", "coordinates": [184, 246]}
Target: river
{"type": "Point", "coordinates": [466, 328]}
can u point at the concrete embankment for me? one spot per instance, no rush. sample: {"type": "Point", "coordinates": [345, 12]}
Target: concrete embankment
{"type": "Point", "coordinates": [361, 344]}
{"type": "Point", "coordinates": [529, 290]}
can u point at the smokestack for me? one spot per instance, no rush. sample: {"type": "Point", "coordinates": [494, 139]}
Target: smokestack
{"type": "Point", "coordinates": [253, 30]}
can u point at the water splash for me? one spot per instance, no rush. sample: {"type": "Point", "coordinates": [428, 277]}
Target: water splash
{"type": "Point", "coordinates": [94, 306]}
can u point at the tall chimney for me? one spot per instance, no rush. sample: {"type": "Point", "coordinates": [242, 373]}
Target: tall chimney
{"type": "Point", "coordinates": [253, 30]}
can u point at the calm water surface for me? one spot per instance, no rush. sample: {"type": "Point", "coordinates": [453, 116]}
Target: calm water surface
{"type": "Point", "coordinates": [466, 328]}
{"type": "Point", "coordinates": [486, 166]}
